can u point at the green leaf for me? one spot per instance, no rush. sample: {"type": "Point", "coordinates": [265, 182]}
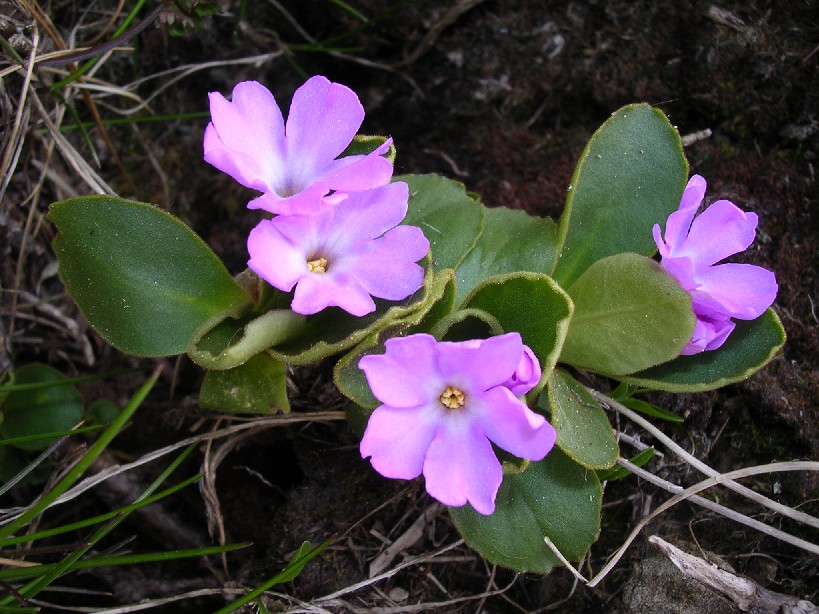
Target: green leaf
{"type": "Point", "coordinates": [466, 324]}
{"type": "Point", "coordinates": [629, 315]}
{"type": "Point", "coordinates": [531, 304]}
{"type": "Point", "coordinates": [630, 176]}
{"type": "Point", "coordinates": [233, 341]}
{"type": "Point", "coordinates": [511, 241]}
{"type": "Point", "coordinates": [451, 219]}
{"type": "Point", "coordinates": [362, 144]}
{"type": "Point", "coordinates": [35, 412]}
{"type": "Point", "coordinates": [652, 410]}
{"type": "Point", "coordinates": [143, 279]}
{"type": "Point", "coordinates": [333, 330]}
{"type": "Point", "coordinates": [750, 347]}
{"type": "Point", "coordinates": [616, 473]}
{"type": "Point", "coordinates": [102, 411]}
{"type": "Point", "coordinates": [583, 430]}
{"type": "Point", "coordinates": [554, 497]}
{"type": "Point", "coordinates": [258, 386]}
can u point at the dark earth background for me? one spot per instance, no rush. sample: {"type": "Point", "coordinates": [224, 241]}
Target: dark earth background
{"type": "Point", "coordinates": [501, 95]}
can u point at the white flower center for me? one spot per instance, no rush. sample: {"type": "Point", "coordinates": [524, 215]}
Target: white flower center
{"type": "Point", "coordinates": [452, 398]}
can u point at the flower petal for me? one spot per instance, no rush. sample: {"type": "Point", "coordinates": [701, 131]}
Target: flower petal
{"type": "Point", "coordinates": [306, 202]}
{"type": "Point", "coordinates": [387, 268]}
{"type": "Point", "coordinates": [324, 117]}
{"type": "Point", "coordinates": [274, 258]}
{"type": "Point", "coordinates": [526, 376]}
{"type": "Point", "coordinates": [245, 138]}
{"type": "Point", "coordinates": [676, 228]}
{"type": "Point", "coordinates": [480, 364]}
{"type": "Point", "coordinates": [358, 173]}
{"type": "Point", "coordinates": [722, 230]}
{"type": "Point", "coordinates": [397, 440]}
{"type": "Point", "coordinates": [406, 374]}
{"type": "Point", "coordinates": [367, 215]}
{"type": "Point", "coordinates": [709, 334]}
{"type": "Point", "coordinates": [461, 466]}
{"type": "Point", "coordinates": [741, 291]}
{"type": "Point", "coordinates": [317, 291]}
{"type": "Point", "coordinates": [511, 425]}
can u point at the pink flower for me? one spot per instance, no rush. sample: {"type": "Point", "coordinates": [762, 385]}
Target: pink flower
{"type": "Point", "coordinates": [338, 257]}
{"type": "Point", "coordinates": [444, 405]}
{"type": "Point", "coordinates": [294, 165]}
{"type": "Point", "coordinates": [526, 376]}
{"type": "Point", "coordinates": [690, 253]}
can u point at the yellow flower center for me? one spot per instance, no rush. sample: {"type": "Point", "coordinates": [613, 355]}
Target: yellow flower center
{"type": "Point", "coordinates": [317, 266]}
{"type": "Point", "coordinates": [452, 398]}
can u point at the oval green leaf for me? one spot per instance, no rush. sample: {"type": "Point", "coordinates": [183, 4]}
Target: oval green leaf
{"type": "Point", "coordinates": [554, 498]}
{"type": "Point", "coordinates": [629, 315]}
{"type": "Point", "coordinates": [51, 409]}
{"type": "Point", "coordinates": [630, 176]}
{"type": "Point", "coordinates": [511, 241]}
{"type": "Point", "coordinates": [451, 219]}
{"type": "Point", "coordinates": [257, 386]}
{"type": "Point", "coordinates": [750, 347]}
{"type": "Point", "coordinates": [583, 430]}
{"type": "Point", "coordinates": [143, 279]}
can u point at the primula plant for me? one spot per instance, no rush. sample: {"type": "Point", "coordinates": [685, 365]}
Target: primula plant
{"type": "Point", "coordinates": [460, 334]}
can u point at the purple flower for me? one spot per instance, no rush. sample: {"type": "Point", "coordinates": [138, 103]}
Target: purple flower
{"type": "Point", "coordinates": [339, 257]}
{"type": "Point", "coordinates": [444, 404]}
{"type": "Point", "coordinates": [294, 165]}
{"type": "Point", "coordinates": [719, 292]}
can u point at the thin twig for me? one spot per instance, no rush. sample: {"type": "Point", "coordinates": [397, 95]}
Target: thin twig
{"type": "Point", "coordinates": [390, 573]}
{"type": "Point", "coordinates": [702, 467]}
{"type": "Point", "coordinates": [705, 484]}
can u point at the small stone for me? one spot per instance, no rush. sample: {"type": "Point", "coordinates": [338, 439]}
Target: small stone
{"type": "Point", "coordinates": [398, 595]}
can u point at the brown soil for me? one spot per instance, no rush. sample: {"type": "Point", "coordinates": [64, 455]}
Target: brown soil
{"type": "Point", "coordinates": [501, 96]}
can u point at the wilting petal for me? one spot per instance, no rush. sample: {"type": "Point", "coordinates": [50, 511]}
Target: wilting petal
{"type": "Point", "coordinates": [406, 374]}
{"type": "Point", "coordinates": [482, 363]}
{"type": "Point", "coordinates": [397, 440]}
{"type": "Point", "coordinates": [461, 467]}
{"type": "Point", "coordinates": [722, 230]}
{"type": "Point", "coordinates": [511, 425]}
{"type": "Point", "coordinates": [744, 290]}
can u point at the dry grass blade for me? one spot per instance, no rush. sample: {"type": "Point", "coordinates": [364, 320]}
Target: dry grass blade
{"type": "Point", "coordinates": [14, 143]}
{"type": "Point", "coordinates": [70, 154]}
{"type": "Point", "coordinates": [703, 468]}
